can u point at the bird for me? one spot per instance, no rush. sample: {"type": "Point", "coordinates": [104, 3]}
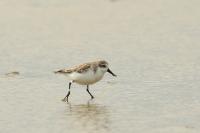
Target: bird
{"type": "Point", "coordinates": [85, 74]}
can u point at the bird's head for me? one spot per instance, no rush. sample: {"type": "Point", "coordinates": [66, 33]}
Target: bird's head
{"type": "Point", "coordinates": [103, 65]}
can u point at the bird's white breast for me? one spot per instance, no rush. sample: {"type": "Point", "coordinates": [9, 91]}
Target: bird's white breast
{"type": "Point", "coordinates": [85, 78]}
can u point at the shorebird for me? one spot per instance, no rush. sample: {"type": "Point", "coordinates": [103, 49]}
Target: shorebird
{"type": "Point", "coordinates": [85, 74]}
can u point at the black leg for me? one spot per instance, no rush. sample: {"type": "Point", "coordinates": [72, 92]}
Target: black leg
{"type": "Point", "coordinates": [66, 97]}
{"type": "Point", "coordinates": [89, 92]}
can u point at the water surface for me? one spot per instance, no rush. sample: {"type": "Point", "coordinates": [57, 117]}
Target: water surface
{"type": "Point", "coordinates": [153, 47]}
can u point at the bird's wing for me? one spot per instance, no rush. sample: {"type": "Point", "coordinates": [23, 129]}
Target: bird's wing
{"type": "Point", "coordinates": [80, 69]}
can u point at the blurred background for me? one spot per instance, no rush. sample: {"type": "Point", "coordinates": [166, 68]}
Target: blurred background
{"type": "Point", "coordinates": [152, 45]}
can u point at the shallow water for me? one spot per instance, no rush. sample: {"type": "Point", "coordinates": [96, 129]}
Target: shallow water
{"type": "Point", "coordinates": [153, 47]}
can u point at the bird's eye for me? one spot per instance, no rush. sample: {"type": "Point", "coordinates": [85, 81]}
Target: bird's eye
{"type": "Point", "coordinates": [103, 66]}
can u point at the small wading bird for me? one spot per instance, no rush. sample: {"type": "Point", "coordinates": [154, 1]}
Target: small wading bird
{"type": "Point", "coordinates": [86, 74]}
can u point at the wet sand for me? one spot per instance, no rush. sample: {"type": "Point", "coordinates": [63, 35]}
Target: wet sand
{"type": "Point", "coordinates": [153, 47]}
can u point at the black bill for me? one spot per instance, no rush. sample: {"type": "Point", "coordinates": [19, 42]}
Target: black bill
{"type": "Point", "coordinates": [111, 72]}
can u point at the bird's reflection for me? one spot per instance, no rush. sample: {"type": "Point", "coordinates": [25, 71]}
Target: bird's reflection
{"type": "Point", "coordinates": [91, 117]}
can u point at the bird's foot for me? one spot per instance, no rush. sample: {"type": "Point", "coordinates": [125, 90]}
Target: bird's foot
{"type": "Point", "coordinates": [65, 100]}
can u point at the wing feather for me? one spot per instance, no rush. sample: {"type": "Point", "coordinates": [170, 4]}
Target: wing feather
{"type": "Point", "coordinates": [80, 69]}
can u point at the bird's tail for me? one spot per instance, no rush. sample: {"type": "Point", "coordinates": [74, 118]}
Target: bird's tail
{"type": "Point", "coordinates": [58, 71]}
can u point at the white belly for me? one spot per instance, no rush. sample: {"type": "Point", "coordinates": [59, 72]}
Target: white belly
{"type": "Point", "coordinates": [86, 78]}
